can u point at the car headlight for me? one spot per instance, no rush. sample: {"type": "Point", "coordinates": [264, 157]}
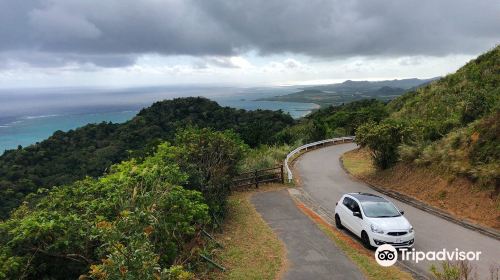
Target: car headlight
{"type": "Point", "coordinates": [376, 229]}
{"type": "Point", "coordinates": [411, 229]}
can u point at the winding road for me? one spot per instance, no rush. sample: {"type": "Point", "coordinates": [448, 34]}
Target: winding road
{"type": "Point", "coordinates": [322, 176]}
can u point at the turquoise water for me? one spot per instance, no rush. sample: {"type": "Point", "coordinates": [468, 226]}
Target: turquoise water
{"type": "Point", "coordinates": [30, 116]}
{"type": "Point", "coordinates": [33, 129]}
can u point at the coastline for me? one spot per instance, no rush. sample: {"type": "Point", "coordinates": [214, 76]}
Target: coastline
{"type": "Point", "coordinates": [28, 129]}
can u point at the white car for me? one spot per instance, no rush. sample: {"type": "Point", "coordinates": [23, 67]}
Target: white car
{"type": "Point", "coordinates": [376, 222]}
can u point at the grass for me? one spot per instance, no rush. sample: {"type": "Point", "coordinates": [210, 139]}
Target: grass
{"type": "Point", "coordinates": [358, 163]}
{"type": "Point", "coordinates": [251, 249]}
{"type": "Point", "coordinates": [362, 257]}
{"type": "Point", "coordinates": [264, 157]}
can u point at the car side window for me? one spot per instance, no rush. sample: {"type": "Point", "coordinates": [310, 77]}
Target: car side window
{"type": "Point", "coordinates": [348, 203]}
{"type": "Point", "coordinates": [355, 206]}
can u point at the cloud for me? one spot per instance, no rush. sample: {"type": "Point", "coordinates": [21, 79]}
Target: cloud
{"type": "Point", "coordinates": [223, 62]}
{"type": "Point", "coordinates": [37, 59]}
{"type": "Point", "coordinates": [288, 65]}
{"type": "Point", "coordinates": [410, 61]}
{"type": "Point", "coordinates": [291, 63]}
{"type": "Point", "coordinates": [55, 24]}
{"type": "Point", "coordinates": [113, 33]}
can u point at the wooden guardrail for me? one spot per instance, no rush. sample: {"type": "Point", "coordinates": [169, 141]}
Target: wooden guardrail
{"type": "Point", "coordinates": [256, 177]}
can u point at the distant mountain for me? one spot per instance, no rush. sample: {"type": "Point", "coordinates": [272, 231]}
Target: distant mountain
{"type": "Point", "coordinates": [364, 86]}
{"type": "Point", "coordinates": [348, 91]}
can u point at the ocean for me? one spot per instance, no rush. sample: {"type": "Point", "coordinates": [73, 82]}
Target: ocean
{"type": "Point", "coordinates": [28, 116]}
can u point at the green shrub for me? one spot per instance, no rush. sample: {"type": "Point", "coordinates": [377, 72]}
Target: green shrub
{"type": "Point", "coordinates": [383, 139]}
{"type": "Point", "coordinates": [449, 271]}
{"type": "Point", "coordinates": [211, 159]}
{"type": "Point", "coordinates": [410, 152]}
{"type": "Point", "coordinates": [132, 223]}
{"type": "Point", "coordinates": [265, 157]}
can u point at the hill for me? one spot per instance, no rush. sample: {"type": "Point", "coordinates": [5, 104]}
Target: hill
{"type": "Point", "coordinates": [142, 219]}
{"type": "Point", "coordinates": [361, 86]}
{"type": "Point", "coordinates": [348, 91]}
{"type": "Point", "coordinates": [88, 151]}
{"type": "Point", "coordinates": [450, 125]}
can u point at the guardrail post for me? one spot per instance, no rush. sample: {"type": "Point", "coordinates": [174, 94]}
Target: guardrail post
{"type": "Point", "coordinates": [256, 180]}
{"type": "Point", "coordinates": [282, 175]}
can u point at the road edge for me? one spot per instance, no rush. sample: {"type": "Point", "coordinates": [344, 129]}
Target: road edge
{"type": "Point", "coordinates": [425, 207]}
{"type": "Point", "coordinates": [300, 195]}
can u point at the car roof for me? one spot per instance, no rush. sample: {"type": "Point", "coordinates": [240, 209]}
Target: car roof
{"type": "Point", "coordinates": [364, 197]}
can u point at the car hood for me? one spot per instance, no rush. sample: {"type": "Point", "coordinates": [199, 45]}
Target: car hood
{"type": "Point", "coordinates": [391, 223]}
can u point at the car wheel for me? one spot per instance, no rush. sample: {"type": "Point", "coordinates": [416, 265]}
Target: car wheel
{"type": "Point", "coordinates": [338, 223]}
{"type": "Point", "coordinates": [366, 240]}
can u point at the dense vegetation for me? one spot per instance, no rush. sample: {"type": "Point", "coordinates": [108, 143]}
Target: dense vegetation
{"type": "Point", "coordinates": [135, 222]}
{"type": "Point", "coordinates": [333, 121]}
{"type": "Point", "coordinates": [145, 214]}
{"type": "Point", "coordinates": [450, 124]}
{"type": "Point", "coordinates": [90, 150]}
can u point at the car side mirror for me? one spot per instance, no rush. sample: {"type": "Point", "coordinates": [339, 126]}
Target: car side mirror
{"type": "Point", "coordinates": [357, 214]}
{"type": "Point", "coordinates": [402, 212]}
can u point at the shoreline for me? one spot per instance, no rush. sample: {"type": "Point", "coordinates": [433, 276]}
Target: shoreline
{"type": "Point", "coordinates": [30, 129]}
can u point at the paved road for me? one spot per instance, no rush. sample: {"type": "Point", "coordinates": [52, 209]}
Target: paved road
{"type": "Point", "coordinates": [324, 179]}
{"type": "Point", "coordinates": [311, 254]}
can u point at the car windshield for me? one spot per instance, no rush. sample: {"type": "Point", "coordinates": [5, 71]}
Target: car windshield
{"type": "Point", "coordinates": [379, 209]}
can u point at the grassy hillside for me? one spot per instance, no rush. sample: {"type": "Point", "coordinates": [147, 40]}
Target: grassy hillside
{"type": "Point", "coordinates": [450, 124]}
{"type": "Point", "coordinates": [458, 98]}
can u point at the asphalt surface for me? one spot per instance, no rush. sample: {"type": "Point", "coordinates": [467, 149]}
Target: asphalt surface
{"type": "Point", "coordinates": [324, 179]}
{"type": "Point", "coordinates": [311, 254]}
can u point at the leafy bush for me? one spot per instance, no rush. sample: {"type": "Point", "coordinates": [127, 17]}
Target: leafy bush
{"type": "Point", "coordinates": [132, 223]}
{"type": "Point", "coordinates": [409, 153]}
{"type": "Point", "coordinates": [211, 159]}
{"type": "Point", "coordinates": [383, 139]}
{"type": "Point", "coordinates": [264, 157]}
{"type": "Point", "coordinates": [451, 271]}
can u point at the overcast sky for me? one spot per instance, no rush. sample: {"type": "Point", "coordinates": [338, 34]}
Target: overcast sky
{"type": "Point", "coordinates": [238, 42]}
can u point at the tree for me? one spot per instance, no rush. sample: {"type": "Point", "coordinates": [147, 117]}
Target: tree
{"type": "Point", "coordinates": [383, 140]}
{"type": "Point", "coordinates": [210, 158]}
{"type": "Point", "coordinates": [132, 223]}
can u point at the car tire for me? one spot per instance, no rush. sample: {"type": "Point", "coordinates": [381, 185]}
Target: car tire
{"type": "Point", "coordinates": [366, 240]}
{"type": "Point", "coordinates": [338, 223]}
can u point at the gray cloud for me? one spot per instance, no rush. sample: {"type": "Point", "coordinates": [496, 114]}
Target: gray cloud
{"type": "Point", "coordinates": [52, 60]}
{"type": "Point", "coordinates": [112, 33]}
{"type": "Point", "coordinates": [218, 61]}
